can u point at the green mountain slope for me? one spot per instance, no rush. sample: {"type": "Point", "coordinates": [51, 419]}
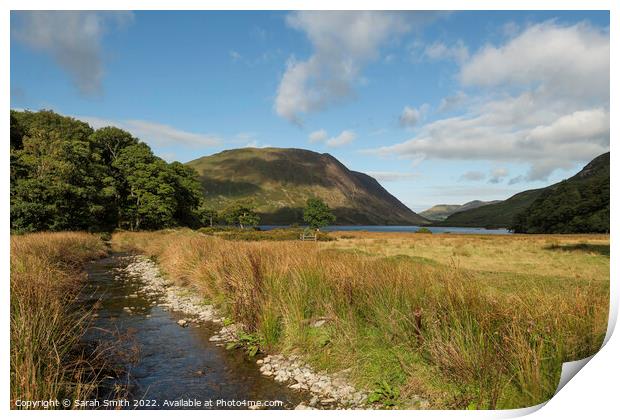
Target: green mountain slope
{"type": "Point", "coordinates": [279, 181]}
{"type": "Point", "coordinates": [579, 204]}
{"type": "Point", "coordinates": [442, 211]}
{"type": "Point", "coordinates": [572, 192]}
{"type": "Point", "coordinates": [494, 215]}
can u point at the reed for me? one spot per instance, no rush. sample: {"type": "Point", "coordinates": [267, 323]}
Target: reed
{"type": "Point", "coordinates": [46, 325]}
{"type": "Point", "coordinates": [407, 326]}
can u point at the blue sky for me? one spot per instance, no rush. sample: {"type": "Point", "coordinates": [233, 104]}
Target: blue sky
{"type": "Point", "coordinates": [439, 107]}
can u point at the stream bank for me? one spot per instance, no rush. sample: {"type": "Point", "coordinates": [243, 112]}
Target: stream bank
{"type": "Point", "coordinates": [180, 343]}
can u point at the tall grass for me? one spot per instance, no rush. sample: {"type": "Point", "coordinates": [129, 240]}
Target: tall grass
{"type": "Point", "coordinates": [46, 363]}
{"type": "Point", "coordinates": [427, 329]}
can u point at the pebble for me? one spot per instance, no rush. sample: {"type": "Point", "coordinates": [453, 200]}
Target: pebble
{"type": "Point", "coordinates": [328, 390]}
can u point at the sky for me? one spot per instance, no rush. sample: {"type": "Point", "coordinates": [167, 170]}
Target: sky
{"type": "Point", "coordinates": [439, 107]}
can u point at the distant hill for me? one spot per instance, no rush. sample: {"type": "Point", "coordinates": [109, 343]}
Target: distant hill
{"type": "Point", "coordinates": [579, 204]}
{"type": "Point", "coordinates": [442, 211]}
{"type": "Point", "coordinates": [496, 215]}
{"type": "Point", "coordinates": [279, 181]}
{"type": "Point", "coordinates": [575, 193]}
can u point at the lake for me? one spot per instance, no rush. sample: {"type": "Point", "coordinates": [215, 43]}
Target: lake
{"type": "Point", "coordinates": [434, 229]}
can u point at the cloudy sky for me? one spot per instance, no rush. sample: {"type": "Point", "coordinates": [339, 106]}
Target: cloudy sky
{"type": "Point", "coordinates": [439, 107]}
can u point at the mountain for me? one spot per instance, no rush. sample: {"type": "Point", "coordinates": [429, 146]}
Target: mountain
{"type": "Point", "coordinates": [442, 211]}
{"type": "Point", "coordinates": [579, 204]}
{"type": "Point", "coordinates": [577, 199]}
{"type": "Point", "coordinates": [493, 215]}
{"type": "Point", "coordinates": [279, 181]}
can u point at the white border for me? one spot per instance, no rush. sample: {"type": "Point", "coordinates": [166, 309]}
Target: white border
{"type": "Point", "coordinates": [592, 393]}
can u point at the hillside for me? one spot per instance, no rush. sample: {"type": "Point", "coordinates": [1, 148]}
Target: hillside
{"type": "Point", "coordinates": [572, 193]}
{"type": "Point", "coordinates": [493, 215]}
{"type": "Point", "coordinates": [579, 204]}
{"type": "Point", "coordinates": [442, 211]}
{"type": "Point", "coordinates": [279, 181]}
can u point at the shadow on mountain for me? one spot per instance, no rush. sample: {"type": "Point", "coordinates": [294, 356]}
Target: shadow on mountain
{"type": "Point", "coordinates": [283, 216]}
{"type": "Point", "coordinates": [228, 188]}
{"type": "Point", "coordinates": [344, 216]}
{"type": "Point", "coordinates": [296, 170]}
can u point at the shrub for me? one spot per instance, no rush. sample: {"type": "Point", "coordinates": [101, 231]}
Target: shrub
{"type": "Point", "coordinates": [424, 230]}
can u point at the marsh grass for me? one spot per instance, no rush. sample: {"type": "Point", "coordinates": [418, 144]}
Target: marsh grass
{"type": "Point", "coordinates": [404, 325]}
{"type": "Point", "coordinates": [46, 325]}
{"type": "Point", "coordinates": [236, 234]}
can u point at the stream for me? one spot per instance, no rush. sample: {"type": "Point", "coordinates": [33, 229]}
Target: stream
{"type": "Point", "coordinates": [163, 365]}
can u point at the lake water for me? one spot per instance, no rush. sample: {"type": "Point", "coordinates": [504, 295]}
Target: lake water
{"type": "Point", "coordinates": [434, 229]}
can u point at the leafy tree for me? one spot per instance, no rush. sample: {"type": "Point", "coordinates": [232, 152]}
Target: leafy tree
{"type": "Point", "coordinates": [65, 176]}
{"type": "Point", "coordinates": [206, 215]}
{"type": "Point", "coordinates": [55, 183]}
{"type": "Point", "coordinates": [317, 214]}
{"type": "Point", "coordinates": [242, 214]}
{"type": "Point", "coordinates": [17, 131]}
{"type": "Point", "coordinates": [188, 194]}
{"type": "Point", "coordinates": [150, 202]}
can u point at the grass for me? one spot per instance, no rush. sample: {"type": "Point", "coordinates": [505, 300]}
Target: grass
{"type": "Point", "coordinates": [462, 321]}
{"type": "Point", "coordinates": [236, 234]}
{"type": "Point", "coordinates": [46, 361]}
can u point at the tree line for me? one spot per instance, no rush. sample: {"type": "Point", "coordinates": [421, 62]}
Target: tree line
{"type": "Point", "coordinates": [576, 205]}
{"type": "Point", "coordinates": [67, 176]}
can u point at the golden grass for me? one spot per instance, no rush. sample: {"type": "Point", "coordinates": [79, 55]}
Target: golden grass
{"type": "Point", "coordinates": [496, 253]}
{"type": "Point", "coordinates": [45, 325]}
{"type": "Point", "coordinates": [405, 310]}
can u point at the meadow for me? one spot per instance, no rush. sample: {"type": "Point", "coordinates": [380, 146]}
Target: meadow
{"type": "Point", "coordinates": [478, 322]}
{"type": "Point", "coordinates": [47, 361]}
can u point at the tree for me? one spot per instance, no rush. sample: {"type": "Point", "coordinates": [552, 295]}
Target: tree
{"type": "Point", "coordinates": [242, 214]}
{"type": "Point", "coordinates": [150, 202]}
{"type": "Point", "coordinates": [206, 215]}
{"type": "Point", "coordinates": [188, 194]}
{"type": "Point", "coordinates": [65, 176]}
{"type": "Point", "coordinates": [317, 214]}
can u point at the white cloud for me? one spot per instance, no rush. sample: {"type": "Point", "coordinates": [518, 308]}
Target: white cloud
{"type": "Point", "coordinates": [590, 125]}
{"type": "Point", "coordinates": [541, 98]}
{"type": "Point", "coordinates": [497, 175]}
{"type": "Point", "coordinates": [440, 51]}
{"type": "Point", "coordinates": [410, 116]}
{"type": "Point", "coordinates": [318, 136]}
{"type": "Point", "coordinates": [392, 176]}
{"type": "Point", "coordinates": [472, 176]}
{"type": "Point", "coordinates": [234, 55]}
{"type": "Point", "coordinates": [451, 102]}
{"type": "Point", "coordinates": [342, 139]}
{"type": "Point", "coordinates": [73, 39]}
{"type": "Point", "coordinates": [343, 42]}
{"type": "Point", "coordinates": [571, 59]}
{"type": "Point", "coordinates": [256, 144]}
{"type": "Point", "coordinates": [156, 133]}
